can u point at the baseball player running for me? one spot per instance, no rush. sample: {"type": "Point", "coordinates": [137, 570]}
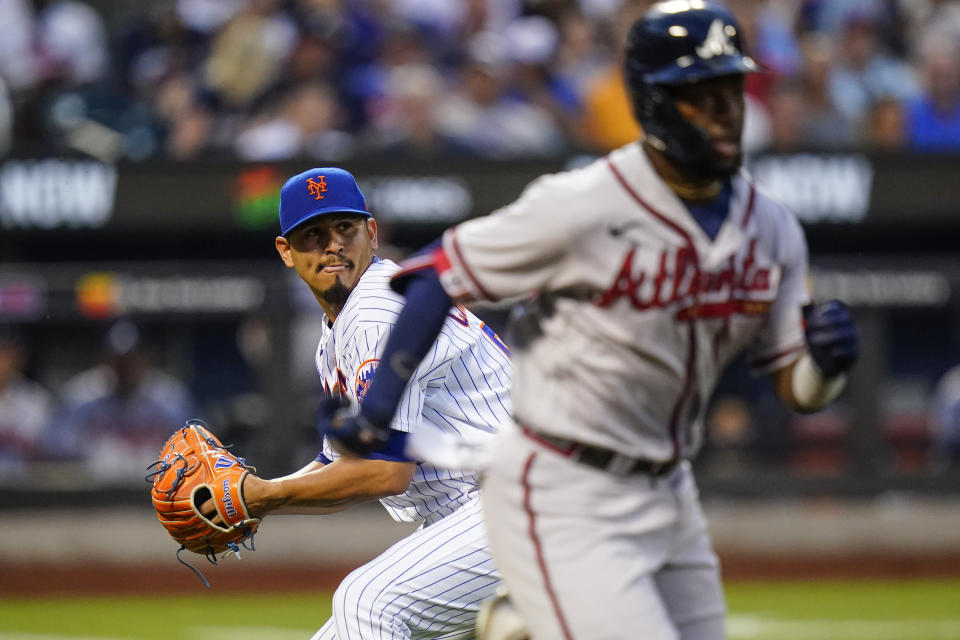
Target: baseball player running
{"type": "Point", "coordinates": [430, 584]}
{"type": "Point", "coordinates": [651, 269]}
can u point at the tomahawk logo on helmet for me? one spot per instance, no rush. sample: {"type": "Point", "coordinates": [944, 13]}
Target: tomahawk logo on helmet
{"type": "Point", "coordinates": [717, 42]}
{"type": "Point", "coordinates": [679, 42]}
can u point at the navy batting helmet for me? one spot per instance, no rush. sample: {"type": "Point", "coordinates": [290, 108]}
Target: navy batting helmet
{"type": "Point", "coordinates": [679, 42]}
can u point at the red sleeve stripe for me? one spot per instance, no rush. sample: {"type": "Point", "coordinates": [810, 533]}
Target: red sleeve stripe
{"type": "Point", "coordinates": [441, 263]}
{"type": "Point", "coordinates": [466, 268]}
{"type": "Point", "coordinates": [414, 264]}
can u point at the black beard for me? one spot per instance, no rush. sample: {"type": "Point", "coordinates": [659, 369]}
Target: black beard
{"type": "Point", "coordinates": [698, 161]}
{"type": "Point", "coordinates": [337, 294]}
{"type": "Point", "coordinates": [709, 168]}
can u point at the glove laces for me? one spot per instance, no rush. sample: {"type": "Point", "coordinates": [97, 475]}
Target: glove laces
{"type": "Point", "coordinates": [211, 556]}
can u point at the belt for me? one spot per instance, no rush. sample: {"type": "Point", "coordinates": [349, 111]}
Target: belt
{"type": "Point", "coordinates": [601, 458]}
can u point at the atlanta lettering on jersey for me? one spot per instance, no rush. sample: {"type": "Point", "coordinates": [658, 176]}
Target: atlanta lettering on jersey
{"type": "Point", "coordinates": [679, 279]}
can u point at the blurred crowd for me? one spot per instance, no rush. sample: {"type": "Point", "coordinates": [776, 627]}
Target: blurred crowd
{"type": "Point", "coordinates": [107, 421]}
{"type": "Point", "coordinates": [267, 80]}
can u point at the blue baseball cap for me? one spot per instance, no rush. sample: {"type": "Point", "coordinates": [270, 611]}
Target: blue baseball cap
{"type": "Point", "coordinates": [317, 192]}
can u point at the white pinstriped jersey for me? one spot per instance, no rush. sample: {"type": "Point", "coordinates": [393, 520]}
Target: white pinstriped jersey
{"type": "Point", "coordinates": [460, 390]}
{"type": "Point", "coordinates": [637, 309]}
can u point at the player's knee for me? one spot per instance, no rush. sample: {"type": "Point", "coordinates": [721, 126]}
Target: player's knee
{"type": "Point", "coordinates": [499, 620]}
{"type": "Point", "coordinates": [348, 599]}
{"type": "Point", "coordinates": [359, 603]}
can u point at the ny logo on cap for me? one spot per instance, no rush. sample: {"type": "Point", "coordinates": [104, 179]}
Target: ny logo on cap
{"type": "Point", "coordinates": [317, 189]}
{"type": "Point", "coordinates": [717, 42]}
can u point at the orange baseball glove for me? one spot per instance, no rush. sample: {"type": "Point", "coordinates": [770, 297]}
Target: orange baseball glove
{"type": "Point", "coordinates": [194, 467]}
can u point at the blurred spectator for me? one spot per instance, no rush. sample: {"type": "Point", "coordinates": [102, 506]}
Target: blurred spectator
{"type": "Point", "coordinates": [72, 39]}
{"type": "Point", "coordinates": [580, 54]}
{"type": "Point", "coordinates": [17, 63]}
{"type": "Point", "coordinates": [44, 41]}
{"type": "Point", "coordinates": [481, 116]}
{"type": "Point", "coordinates": [831, 16]}
{"type": "Point", "coordinates": [927, 20]}
{"type": "Point", "coordinates": [786, 118]}
{"type": "Point", "coordinates": [439, 18]}
{"type": "Point", "coordinates": [249, 52]}
{"type": "Point", "coordinates": [531, 46]}
{"type": "Point", "coordinates": [608, 120]}
{"type": "Point", "coordinates": [825, 124]}
{"type": "Point", "coordinates": [191, 123]}
{"type": "Point", "coordinates": [933, 118]}
{"type": "Point", "coordinates": [315, 55]}
{"type": "Point", "coordinates": [803, 112]}
{"type": "Point", "coordinates": [153, 44]}
{"type": "Point", "coordinates": [864, 72]}
{"type": "Point", "coordinates": [117, 414]}
{"type": "Point", "coordinates": [48, 47]}
{"type": "Point", "coordinates": [368, 87]}
{"type": "Point", "coordinates": [25, 407]}
{"type": "Point", "coordinates": [304, 123]}
{"type": "Point", "coordinates": [407, 124]}
{"type": "Point", "coordinates": [206, 16]}
{"type": "Point", "coordinates": [886, 128]}
{"type": "Point", "coordinates": [768, 36]}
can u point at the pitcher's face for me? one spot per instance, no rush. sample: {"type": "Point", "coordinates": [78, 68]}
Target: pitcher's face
{"type": "Point", "coordinates": [330, 253]}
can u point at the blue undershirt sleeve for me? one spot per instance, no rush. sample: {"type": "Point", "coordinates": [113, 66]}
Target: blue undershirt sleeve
{"type": "Point", "coordinates": [411, 338]}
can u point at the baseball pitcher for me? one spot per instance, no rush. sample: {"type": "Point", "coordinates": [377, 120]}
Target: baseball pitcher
{"type": "Point", "coordinates": [432, 583]}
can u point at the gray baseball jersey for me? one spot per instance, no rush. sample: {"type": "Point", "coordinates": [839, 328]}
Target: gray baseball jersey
{"type": "Point", "coordinates": [637, 310]}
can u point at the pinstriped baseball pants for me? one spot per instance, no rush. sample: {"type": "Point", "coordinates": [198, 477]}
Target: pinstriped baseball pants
{"type": "Point", "coordinates": [428, 585]}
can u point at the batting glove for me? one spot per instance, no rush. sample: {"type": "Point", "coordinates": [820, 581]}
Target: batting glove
{"type": "Point", "coordinates": [350, 432]}
{"type": "Point", "coordinates": [831, 335]}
